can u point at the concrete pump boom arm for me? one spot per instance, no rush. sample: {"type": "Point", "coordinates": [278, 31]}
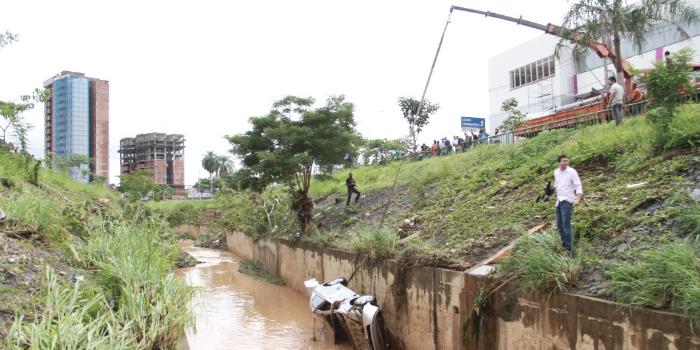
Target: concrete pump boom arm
{"type": "Point", "coordinates": [602, 50]}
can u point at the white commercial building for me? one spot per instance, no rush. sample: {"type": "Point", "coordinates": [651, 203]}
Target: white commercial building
{"type": "Point", "coordinates": [539, 81]}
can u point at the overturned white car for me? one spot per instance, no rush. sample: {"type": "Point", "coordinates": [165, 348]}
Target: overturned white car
{"type": "Point", "coordinates": [340, 313]}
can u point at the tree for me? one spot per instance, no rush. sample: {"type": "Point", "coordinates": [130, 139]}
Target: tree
{"type": "Point", "coordinates": [372, 149]}
{"type": "Point", "coordinates": [76, 162]}
{"type": "Point", "coordinates": [515, 117]}
{"type": "Point", "coordinates": [13, 119]}
{"type": "Point", "coordinates": [663, 83]}
{"type": "Point", "coordinates": [608, 21]}
{"type": "Point", "coordinates": [416, 120]}
{"type": "Point", "coordinates": [226, 165]}
{"type": "Point", "coordinates": [284, 145]}
{"type": "Point", "coordinates": [210, 163]}
{"type": "Point", "coordinates": [7, 38]}
{"type": "Point", "coordinates": [138, 184]}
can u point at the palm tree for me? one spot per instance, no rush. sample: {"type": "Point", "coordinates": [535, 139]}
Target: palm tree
{"type": "Point", "coordinates": [210, 163]}
{"type": "Point", "coordinates": [608, 21]}
{"type": "Point", "coordinates": [226, 165]}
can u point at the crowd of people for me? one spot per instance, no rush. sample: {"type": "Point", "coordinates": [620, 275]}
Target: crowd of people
{"type": "Point", "coordinates": [458, 143]}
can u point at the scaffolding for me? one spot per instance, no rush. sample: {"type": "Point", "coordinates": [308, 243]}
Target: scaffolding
{"type": "Point", "coordinates": [161, 154]}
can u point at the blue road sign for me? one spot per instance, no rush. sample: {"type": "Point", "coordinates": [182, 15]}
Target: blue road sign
{"type": "Point", "coordinates": [469, 122]}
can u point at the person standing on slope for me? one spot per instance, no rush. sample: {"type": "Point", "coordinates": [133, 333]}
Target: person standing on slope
{"type": "Point", "coordinates": [569, 193]}
{"type": "Point", "coordinates": [350, 182]}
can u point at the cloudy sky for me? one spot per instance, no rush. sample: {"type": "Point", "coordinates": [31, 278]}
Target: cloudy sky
{"type": "Point", "coordinates": [202, 68]}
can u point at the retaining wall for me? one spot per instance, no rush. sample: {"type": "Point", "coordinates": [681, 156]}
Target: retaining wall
{"type": "Point", "coordinates": [433, 310]}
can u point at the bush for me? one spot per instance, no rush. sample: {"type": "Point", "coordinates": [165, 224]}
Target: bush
{"type": "Point", "coordinates": [375, 244]}
{"type": "Point", "coordinates": [75, 317]}
{"type": "Point", "coordinates": [256, 214]}
{"type": "Point", "coordinates": [665, 276]}
{"type": "Point", "coordinates": [134, 302]}
{"type": "Point", "coordinates": [538, 262]}
{"type": "Point", "coordinates": [185, 213]}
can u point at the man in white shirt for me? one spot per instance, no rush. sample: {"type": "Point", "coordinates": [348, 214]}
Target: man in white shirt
{"type": "Point", "coordinates": [615, 99]}
{"type": "Point", "coordinates": [569, 192]}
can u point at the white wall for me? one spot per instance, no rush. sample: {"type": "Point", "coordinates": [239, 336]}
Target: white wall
{"type": "Point", "coordinates": [558, 86]}
{"type": "Point", "coordinates": [562, 87]}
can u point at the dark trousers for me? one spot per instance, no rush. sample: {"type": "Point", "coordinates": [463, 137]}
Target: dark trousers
{"type": "Point", "coordinates": [352, 190]}
{"type": "Point", "coordinates": [564, 212]}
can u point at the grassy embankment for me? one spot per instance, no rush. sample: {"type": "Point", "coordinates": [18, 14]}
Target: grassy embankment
{"type": "Point", "coordinates": [461, 208]}
{"type": "Point", "coordinates": [637, 232]}
{"type": "Point", "coordinates": [83, 273]}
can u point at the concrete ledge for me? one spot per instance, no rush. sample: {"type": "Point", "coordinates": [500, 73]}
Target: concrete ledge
{"type": "Point", "coordinates": [434, 310]}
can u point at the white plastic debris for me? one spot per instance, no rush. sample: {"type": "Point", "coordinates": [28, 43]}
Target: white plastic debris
{"type": "Point", "coordinates": [637, 185]}
{"type": "Point", "coordinates": [312, 283]}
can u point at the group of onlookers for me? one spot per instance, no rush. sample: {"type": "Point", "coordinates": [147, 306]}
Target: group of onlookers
{"type": "Point", "coordinates": [446, 146]}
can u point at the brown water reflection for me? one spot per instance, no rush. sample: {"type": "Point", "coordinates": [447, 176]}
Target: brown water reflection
{"type": "Point", "coordinates": [236, 311]}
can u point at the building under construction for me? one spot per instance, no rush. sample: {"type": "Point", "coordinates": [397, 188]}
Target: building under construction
{"type": "Point", "coordinates": [162, 154]}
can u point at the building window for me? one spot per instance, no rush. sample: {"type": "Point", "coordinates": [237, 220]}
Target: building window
{"type": "Point", "coordinates": [532, 72]}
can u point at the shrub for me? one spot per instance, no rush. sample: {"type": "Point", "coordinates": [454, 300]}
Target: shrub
{"type": "Point", "coordinates": [74, 318]}
{"type": "Point", "coordinates": [375, 243]}
{"type": "Point", "coordinates": [662, 84]}
{"type": "Point", "coordinates": [538, 262]}
{"type": "Point", "coordinates": [185, 213]}
{"type": "Point", "coordinates": [664, 276]}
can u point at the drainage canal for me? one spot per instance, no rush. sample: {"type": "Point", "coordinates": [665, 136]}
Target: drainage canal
{"type": "Point", "coordinates": [236, 311]}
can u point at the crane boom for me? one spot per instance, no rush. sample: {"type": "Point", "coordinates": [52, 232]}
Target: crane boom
{"type": "Point", "coordinates": [601, 49]}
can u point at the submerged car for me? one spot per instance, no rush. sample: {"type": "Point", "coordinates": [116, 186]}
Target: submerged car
{"type": "Point", "coordinates": [347, 315]}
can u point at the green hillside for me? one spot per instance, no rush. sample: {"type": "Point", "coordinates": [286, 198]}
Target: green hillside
{"type": "Point", "coordinates": [81, 269]}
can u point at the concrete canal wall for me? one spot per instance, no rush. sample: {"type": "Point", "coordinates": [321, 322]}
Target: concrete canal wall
{"type": "Point", "coordinates": [432, 308]}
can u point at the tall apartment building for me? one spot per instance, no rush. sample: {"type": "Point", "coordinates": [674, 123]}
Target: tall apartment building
{"type": "Point", "coordinates": [76, 123]}
{"type": "Point", "coordinates": [161, 154]}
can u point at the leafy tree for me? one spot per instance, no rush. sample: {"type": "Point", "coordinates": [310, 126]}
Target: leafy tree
{"type": "Point", "coordinates": [515, 117]}
{"type": "Point", "coordinates": [608, 21]}
{"type": "Point", "coordinates": [138, 184]}
{"type": "Point", "coordinates": [373, 148]}
{"type": "Point", "coordinates": [416, 120]}
{"type": "Point", "coordinates": [13, 119]}
{"type": "Point", "coordinates": [663, 83]}
{"type": "Point", "coordinates": [210, 163]}
{"type": "Point", "coordinates": [226, 165]}
{"type": "Point", "coordinates": [214, 184]}
{"type": "Point", "coordinates": [7, 38]}
{"type": "Point", "coordinates": [284, 145]}
{"type": "Point", "coordinates": [76, 162]}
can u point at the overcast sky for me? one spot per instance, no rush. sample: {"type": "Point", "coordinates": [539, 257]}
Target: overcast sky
{"type": "Point", "coordinates": [202, 68]}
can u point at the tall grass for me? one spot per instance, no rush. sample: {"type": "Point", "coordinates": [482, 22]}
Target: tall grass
{"type": "Point", "coordinates": [28, 207]}
{"type": "Point", "coordinates": [75, 317]}
{"type": "Point", "coordinates": [134, 302]}
{"type": "Point", "coordinates": [375, 243]}
{"type": "Point", "coordinates": [538, 262]}
{"type": "Point", "coordinates": [664, 276]}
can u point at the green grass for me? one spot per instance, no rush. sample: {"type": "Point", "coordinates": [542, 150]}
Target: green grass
{"type": "Point", "coordinates": [625, 148]}
{"type": "Point", "coordinates": [375, 243]}
{"type": "Point", "coordinates": [539, 263]}
{"type": "Point", "coordinates": [168, 205]}
{"type": "Point", "coordinates": [666, 276]}
{"type": "Point", "coordinates": [129, 298]}
{"type": "Point", "coordinates": [468, 196]}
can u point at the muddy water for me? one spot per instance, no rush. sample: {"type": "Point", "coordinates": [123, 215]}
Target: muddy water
{"type": "Point", "coordinates": [236, 311]}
